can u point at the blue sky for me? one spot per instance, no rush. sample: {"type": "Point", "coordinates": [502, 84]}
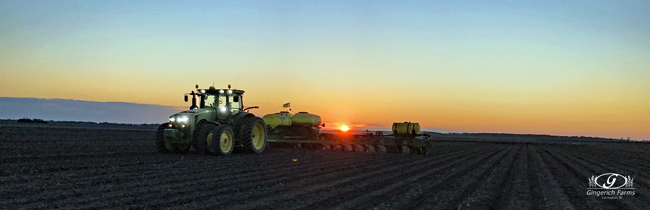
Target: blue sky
{"type": "Point", "coordinates": [565, 67]}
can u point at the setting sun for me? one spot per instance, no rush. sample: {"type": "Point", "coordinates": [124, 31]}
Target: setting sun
{"type": "Point", "coordinates": [344, 128]}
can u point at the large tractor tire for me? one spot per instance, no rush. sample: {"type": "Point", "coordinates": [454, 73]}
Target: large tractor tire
{"type": "Point", "coordinates": [161, 145]}
{"type": "Point", "coordinates": [222, 142]}
{"type": "Point", "coordinates": [167, 147]}
{"type": "Point", "coordinates": [203, 132]}
{"type": "Point", "coordinates": [253, 135]}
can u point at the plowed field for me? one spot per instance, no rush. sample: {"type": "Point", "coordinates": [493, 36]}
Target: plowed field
{"type": "Point", "coordinates": [45, 167]}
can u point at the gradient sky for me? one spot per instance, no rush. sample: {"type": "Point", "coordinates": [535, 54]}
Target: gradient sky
{"type": "Point", "coordinates": [549, 67]}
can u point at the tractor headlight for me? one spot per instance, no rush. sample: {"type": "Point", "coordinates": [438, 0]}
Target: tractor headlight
{"type": "Point", "coordinates": [172, 119]}
{"type": "Point", "coordinates": [229, 92]}
{"type": "Point", "coordinates": [222, 109]}
{"type": "Point", "coordinates": [182, 119]}
{"type": "Point", "coordinates": [220, 91]}
{"type": "Point", "coordinates": [202, 91]}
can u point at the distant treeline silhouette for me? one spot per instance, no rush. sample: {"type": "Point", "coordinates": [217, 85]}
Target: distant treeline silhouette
{"type": "Point", "coordinates": [77, 123]}
{"type": "Point", "coordinates": [27, 120]}
{"type": "Point", "coordinates": [526, 137]}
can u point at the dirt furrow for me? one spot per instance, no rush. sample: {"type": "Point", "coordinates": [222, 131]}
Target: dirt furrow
{"type": "Point", "coordinates": [295, 182]}
{"type": "Point", "coordinates": [492, 192]}
{"type": "Point", "coordinates": [518, 193]}
{"type": "Point", "coordinates": [63, 157]}
{"type": "Point", "coordinates": [578, 165]}
{"type": "Point", "coordinates": [401, 192]}
{"type": "Point", "coordinates": [573, 182]}
{"type": "Point", "coordinates": [629, 160]}
{"type": "Point", "coordinates": [554, 196]}
{"type": "Point", "coordinates": [450, 194]}
{"type": "Point", "coordinates": [298, 189]}
{"type": "Point", "coordinates": [535, 195]}
{"type": "Point", "coordinates": [182, 178]}
{"type": "Point", "coordinates": [229, 181]}
{"type": "Point", "coordinates": [615, 164]}
{"type": "Point", "coordinates": [108, 168]}
{"type": "Point", "coordinates": [440, 151]}
{"type": "Point", "coordinates": [389, 186]}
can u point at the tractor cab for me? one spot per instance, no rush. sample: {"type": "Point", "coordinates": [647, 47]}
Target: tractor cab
{"type": "Point", "coordinates": [226, 102]}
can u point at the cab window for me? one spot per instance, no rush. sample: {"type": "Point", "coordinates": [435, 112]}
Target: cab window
{"type": "Point", "coordinates": [210, 100]}
{"type": "Point", "coordinates": [235, 102]}
{"type": "Point", "coordinates": [222, 101]}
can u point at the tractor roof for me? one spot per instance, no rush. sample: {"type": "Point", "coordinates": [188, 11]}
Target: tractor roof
{"type": "Point", "coordinates": [213, 90]}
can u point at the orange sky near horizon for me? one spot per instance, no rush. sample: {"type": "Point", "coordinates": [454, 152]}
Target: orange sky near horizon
{"type": "Point", "coordinates": [494, 111]}
{"type": "Point", "coordinates": [500, 68]}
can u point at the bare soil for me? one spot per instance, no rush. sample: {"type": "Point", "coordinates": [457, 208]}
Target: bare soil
{"type": "Point", "coordinates": [58, 167]}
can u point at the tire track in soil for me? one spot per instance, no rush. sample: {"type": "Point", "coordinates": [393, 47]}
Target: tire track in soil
{"type": "Point", "coordinates": [329, 177]}
{"type": "Point", "coordinates": [402, 192]}
{"type": "Point", "coordinates": [291, 192]}
{"type": "Point", "coordinates": [554, 196]}
{"type": "Point", "coordinates": [383, 189]}
{"type": "Point", "coordinates": [573, 186]}
{"type": "Point", "coordinates": [581, 166]}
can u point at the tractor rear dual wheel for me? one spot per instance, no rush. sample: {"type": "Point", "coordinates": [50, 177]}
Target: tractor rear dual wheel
{"type": "Point", "coordinates": [222, 141]}
{"type": "Point", "coordinates": [253, 135]}
{"type": "Point", "coordinates": [214, 139]}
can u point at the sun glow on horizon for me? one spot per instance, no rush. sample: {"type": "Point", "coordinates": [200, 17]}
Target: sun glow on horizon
{"type": "Point", "coordinates": [511, 72]}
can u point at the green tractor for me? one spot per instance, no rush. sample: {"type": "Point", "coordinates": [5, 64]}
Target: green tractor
{"type": "Point", "coordinates": [218, 125]}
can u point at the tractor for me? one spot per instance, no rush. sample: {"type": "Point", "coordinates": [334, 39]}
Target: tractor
{"type": "Point", "coordinates": [218, 125]}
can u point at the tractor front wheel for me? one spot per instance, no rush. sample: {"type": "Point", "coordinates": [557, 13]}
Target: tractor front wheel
{"type": "Point", "coordinates": [161, 144]}
{"type": "Point", "coordinates": [253, 135]}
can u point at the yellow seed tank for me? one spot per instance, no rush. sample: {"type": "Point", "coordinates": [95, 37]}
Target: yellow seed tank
{"type": "Point", "coordinates": [304, 118]}
{"type": "Point", "coordinates": [406, 128]}
{"type": "Point", "coordinates": [278, 119]}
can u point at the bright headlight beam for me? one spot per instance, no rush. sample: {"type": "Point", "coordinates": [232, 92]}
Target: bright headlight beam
{"type": "Point", "coordinates": [223, 109]}
{"type": "Point", "coordinates": [172, 119]}
{"type": "Point", "coordinates": [182, 119]}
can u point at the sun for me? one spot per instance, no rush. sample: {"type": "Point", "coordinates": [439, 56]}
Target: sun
{"type": "Point", "coordinates": [344, 128]}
